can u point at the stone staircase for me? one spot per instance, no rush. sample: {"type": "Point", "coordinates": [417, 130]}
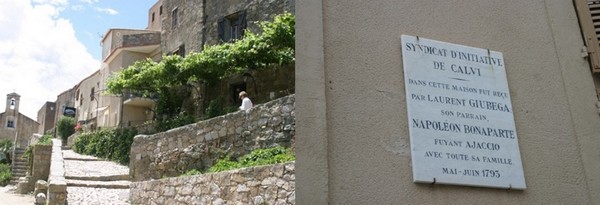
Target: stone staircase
{"type": "Point", "coordinates": [19, 166]}
{"type": "Point", "coordinates": [91, 180]}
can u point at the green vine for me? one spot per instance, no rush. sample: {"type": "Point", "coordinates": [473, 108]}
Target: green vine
{"type": "Point", "coordinates": [273, 46]}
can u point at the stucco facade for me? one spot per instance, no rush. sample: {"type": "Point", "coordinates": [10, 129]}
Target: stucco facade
{"type": "Point", "coordinates": [353, 140]}
{"type": "Point", "coordinates": [155, 15]}
{"type": "Point", "coordinates": [46, 116]}
{"type": "Point", "coordinates": [122, 48]}
{"type": "Point", "coordinates": [14, 125]}
{"type": "Point", "coordinates": [86, 100]}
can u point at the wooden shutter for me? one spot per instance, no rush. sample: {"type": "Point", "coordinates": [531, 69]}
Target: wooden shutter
{"type": "Point", "coordinates": [221, 29]}
{"type": "Point", "coordinates": [588, 12]}
{"type": "Point", "coordinates": [242, 23]}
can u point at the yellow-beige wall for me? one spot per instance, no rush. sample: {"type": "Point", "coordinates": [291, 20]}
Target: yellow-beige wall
{"type": "Point", "coordinates": [352, 132]}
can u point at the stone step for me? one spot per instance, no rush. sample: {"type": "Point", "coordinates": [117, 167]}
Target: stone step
{"type": "Point", "coordinates": [82, 159]}
{"type": "Point", "coordinates": [20, 165]}
{"type": "Point", "coordinates": [100, 178]}
{"type": "Point", "coordinates": [15, 179]}
{"type": "Point", "coordinates": [19, 171]}
{"type": "Point", "coordinates": [17, 176]}
{"type": "Point", "coordinates": [122, 184]}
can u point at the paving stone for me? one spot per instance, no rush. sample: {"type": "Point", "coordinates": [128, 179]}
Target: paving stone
{"type": "Point", "coordinates": [97, 196]}
{"type": "Point", "coordinates": [92, 181]}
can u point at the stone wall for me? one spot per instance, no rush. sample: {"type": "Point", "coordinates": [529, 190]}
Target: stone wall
{"type": "Point", "coordinates": [39, 170]}
{"type": "Point", "coordinates": [197, 21]}
{"type": "Point", "coordinates": [41, 163]}
{"type": "Point", "coordinates": [57, 184]}
{"type": "Point", "coordinates": [199, 145]}
{"type": "Point", "coordinates": [273, 184]}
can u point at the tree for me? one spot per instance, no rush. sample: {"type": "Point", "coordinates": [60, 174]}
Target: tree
{"type": "Point", "coordinates": [65, 128]}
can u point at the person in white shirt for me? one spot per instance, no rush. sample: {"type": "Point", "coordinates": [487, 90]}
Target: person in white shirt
{"type": "Point", "coordinates": [246, 103]}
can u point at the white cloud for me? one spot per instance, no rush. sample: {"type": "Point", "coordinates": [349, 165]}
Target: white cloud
{"type": "Point", "coordinates": [89, 1]}
{"type": "Point", "coordinates": [51, 2]}
{"type": "Point", "coordinates": [78, 7]}
{"type": "Point", "coordinates": [107, 10]}
{"type": "Point", "coordinates": [40, 57]}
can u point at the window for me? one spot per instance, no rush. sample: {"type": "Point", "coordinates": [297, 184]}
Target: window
{"type": "Point", "coordinates": [160, 11]}
{"type": "Point", "coordinates": [92, 94]}
{"type": "Point", "coordinates": [180, 51]}
{"type": "Point", "coordinates": [10, 121]}
{"type": "Point", "coordinates": [174, 19]}
{"type": "Point", "coordinates": [152, 16]}
{"type": "Point", "coordinates": [588, 13]}
{"type": "Point", "coordinates": [81, 100]}
{"type": "Point", "coordinates": [232, 27]}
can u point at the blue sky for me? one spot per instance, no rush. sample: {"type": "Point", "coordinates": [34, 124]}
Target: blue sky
{"type": "Point", "coordinates": [49, 46]}
{"type": "Point", "coordinates": [92, 18]}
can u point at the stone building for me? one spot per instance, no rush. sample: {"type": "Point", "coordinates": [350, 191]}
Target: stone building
{"type": "Point", "coordinates": [65, 105]}
{"type": "Point", "coordinates": [46, 116]}
{"type": "Point", "coordinates": [354, 125]}
{"type": "Point", "coordinates": [188, 26]}
{"type": "Point", "coordinates": [16, 126]}
{"type": "Point", "coordinates": [176, 27]}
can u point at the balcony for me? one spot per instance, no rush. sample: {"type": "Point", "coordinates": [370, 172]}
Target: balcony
{"type": "Point", "coordinates": [138, 100]}
{"type": "Point", "coordinates": [142, 41]}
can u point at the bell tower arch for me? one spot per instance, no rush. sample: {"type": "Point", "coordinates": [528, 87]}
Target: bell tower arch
{"type": "Point", "coordinates": [12, 110]}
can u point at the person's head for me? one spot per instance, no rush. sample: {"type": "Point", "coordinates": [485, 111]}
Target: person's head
{"type": "Point", "coordinates": [243, 94]}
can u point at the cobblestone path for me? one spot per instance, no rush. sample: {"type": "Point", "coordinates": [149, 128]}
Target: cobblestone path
{"type": "Point", "coordinates": [92, 181]}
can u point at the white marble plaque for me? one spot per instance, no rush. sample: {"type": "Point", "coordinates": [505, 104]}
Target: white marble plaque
{"type": "Point", "coordinates": [460, 118]}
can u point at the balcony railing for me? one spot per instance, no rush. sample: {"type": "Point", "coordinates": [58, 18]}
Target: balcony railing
{"type": "Point", "coordinates": [125, 38]}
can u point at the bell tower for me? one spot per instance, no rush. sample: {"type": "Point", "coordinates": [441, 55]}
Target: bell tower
{"type": "Point", "coordinates": [12, 103]}
{"type": "Point", "coordinates": [12, 110]}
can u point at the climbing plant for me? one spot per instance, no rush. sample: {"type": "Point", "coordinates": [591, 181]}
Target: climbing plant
{"type": "Point", "coordinates": [275, 45]}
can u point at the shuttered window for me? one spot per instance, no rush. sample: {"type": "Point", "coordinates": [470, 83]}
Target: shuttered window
{"type": "Point", "coordinates": [232, 27]}
{"type": "Point", "coordinates": [588, 12]}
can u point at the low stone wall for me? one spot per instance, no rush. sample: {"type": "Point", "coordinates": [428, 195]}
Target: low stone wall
{"type": "Point", "coordinates": [39, 170]}
{"type": "Point", "coordinates": [199, 145]}
{"type": "Point", "coordinates": [42, 154]}
{"type": "Point", "coordinates": [273, 184]}
{"type": "Point", "coordinates": [57, 184]}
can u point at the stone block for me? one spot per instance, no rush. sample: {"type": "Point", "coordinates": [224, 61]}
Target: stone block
{"type": "Point", "coordinates": [41, 186]}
